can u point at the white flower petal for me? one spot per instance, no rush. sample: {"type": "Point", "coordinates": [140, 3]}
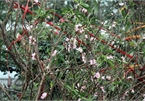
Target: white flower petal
{"type": "Point", "coordinates": [44, 95]}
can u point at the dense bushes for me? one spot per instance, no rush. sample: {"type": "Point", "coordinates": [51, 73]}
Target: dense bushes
{"type": "Point", "coordinates": [80, 50]}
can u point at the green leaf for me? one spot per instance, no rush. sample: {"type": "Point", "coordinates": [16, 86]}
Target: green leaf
{"type": "Point", "coordinates": [110, 63]}
{"type": "Point", "coordinates": [84, 5]}
{"type": "Point", "coordinates": [112, 88]}
{"type": "Point", "coordinates": [51, 84]}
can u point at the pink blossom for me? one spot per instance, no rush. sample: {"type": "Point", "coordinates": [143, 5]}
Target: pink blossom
{"type": "Point", "coordinates": [84, 58]}
{"type": "Point", "coordinates": [123, 97]}
{"type": "Point", "coordinates": [67, 39]}
{"type": "Point", "coordinates": [84, 10]}
{"type": "Point", "coordinates": [108, 77]}
{"type": "Point", "coordinates": [81, 30]}
{"type": "Point", "coordinates": [123, 59]}
{"type": "Point", "coordinates": [30, 37]}
{"type": "Point", "coordinates": [112, 14]}
{"type": "Point", "coordinates": [103, 77]}
{"type": "Point", "coordinates": [83, 88]}
{"type": "Point", "coordinates": [18, 35]}
{"type": "Point", "coordinates": [62, 20]}
{"type": "Point", "coordinates": [102, 88]}
{"type": "Point", "coordinates": [71, 44]}
{"type": "Point", "coordinates": [132, 90]}
{"type": "Point", "coordinates": [56, 31]}
{"type": "Point", "coordinates": [48, 17]}
{"type": "Point", "coordinates": [110, 57]}
{"type": "Point", "coordinates": [80, 49]}
{"type": "Point", "coordinates": [92, 38]}
{"type": "Point", "coordinates": [121, 4]}
{"type": "Point", "coordinates": [47, 67]}
{"type": "Point", "coordinates": [112, 43]}
{"type": "Point", "coordinates": [33, 56]}
{"type": "Point", "coordinates": [68, 48]}
{"type": "Point", "coordinates": [110, 27]}
{"type": "Point", "coordinates": [32, 40]}
{"type": "Point", "coordinates": [114, 24]}
{"type": "Point", "coordinates": [29, 28]}
{"type": "Point", "coordinates": [79, 99]}
{"type": "Point", "coordinates": [36, 0]}
{"type": "Point", "coordinates": [54, 53]}
{"type": "Point", "coordinates": [97, 75]}
{"type": "Point", "coordinates": [78, 28]}
{"type": "Point", "coordinates": [44, 95]}
{"type": "Point", "coordinates": [74, 41]}
{"type": "Point", "coordinates": [130, 77]}
{"type": "Point", "coordinates": [93, 62]}
{"type": "Point", "coordinates": [126, 93]}
{"type": "Point", "coordinates": [92, 26]}
{"type": "Point", "coordinates": [95, 94]}
{"type": "Point", "coordinates": [86, 36]}
{"type": "Point", "coordinates": [78, 84]}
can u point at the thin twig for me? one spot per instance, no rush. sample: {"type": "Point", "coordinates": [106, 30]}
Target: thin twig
{"type": "Point", "coordinates": [8, 13]}
{"type": "Point", "coordinates": [40, 86]}
{"type": "Point", "coordinates": [6, 92]}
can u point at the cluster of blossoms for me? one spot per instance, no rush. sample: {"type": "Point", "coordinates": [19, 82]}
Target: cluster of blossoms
{"type": "Point", "coordinates": [123, 59]}
{"type": "Point", "coordinates": [29, 28]}
{"type": "Point", "coordinates": [113, 25]}
{"type": "Point", "coordinates": [81, 87]}
{"type": "Point", "coordinates": [56, 32]}
{"type": "Point", "coordinates": [93, 62]}
{"type": "Point", "coordinates": [97, 76]}
{"type": "Point", "coordinates": [33, 56]}
{"type": "Point", "coordinates": [84, 57]}
{"type": "Point", "coordinates": [32, 40]}
{"type": "Point", "coordinates": [79, 49]}
{"type": "Point", "coordinates": [71, 44]}
{"type": "Point", "coordinates": [126, 93]}
{"type": "Point", "coordinates": [79, 28]}
{"type": "Point", "coordinates": [109, 57]}
{"type": "Point", "coordinates": [107, 77]}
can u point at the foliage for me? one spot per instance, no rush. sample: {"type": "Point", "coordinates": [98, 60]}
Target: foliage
{"type": "Point", "coordinates": [79, 50]}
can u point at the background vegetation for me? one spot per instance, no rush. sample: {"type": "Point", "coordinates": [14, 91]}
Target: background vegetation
{"type": "Point", "coordinates": [73, 49]}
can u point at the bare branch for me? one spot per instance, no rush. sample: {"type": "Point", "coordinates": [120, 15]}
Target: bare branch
{"type": "Point", "coordinates": [8, 13]}
{"type": "Point", "coordinates": [6, 92]}
{"type": "Point", "coordinates": [41, 83]}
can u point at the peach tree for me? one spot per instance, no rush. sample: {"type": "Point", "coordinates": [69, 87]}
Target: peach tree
{"type": "Point", "coordinates": [75, 50]}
